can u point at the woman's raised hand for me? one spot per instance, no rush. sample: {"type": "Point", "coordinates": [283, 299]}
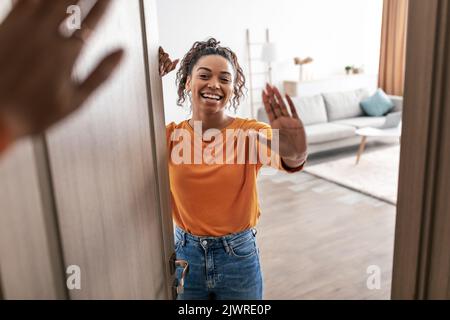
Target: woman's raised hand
{"type": "Point", "coordinates": [293, 145]}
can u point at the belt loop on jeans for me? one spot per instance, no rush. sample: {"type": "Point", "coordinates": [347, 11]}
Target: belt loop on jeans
{"type": "Point", "coordinates": [183, 240]}
{"type": "Point", "coordinates": [183, 236]}
{"type": "Point", "coordinates": [225, 244]}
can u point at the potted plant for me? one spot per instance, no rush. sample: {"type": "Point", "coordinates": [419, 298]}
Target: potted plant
{"type": "Point", "coordinates": [348, 69]}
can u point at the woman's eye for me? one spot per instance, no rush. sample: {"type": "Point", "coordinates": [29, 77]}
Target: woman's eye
{"type": "Point", "coordinates": [226, 80]}
{"type": "Point", "coordinates": [203, 76]}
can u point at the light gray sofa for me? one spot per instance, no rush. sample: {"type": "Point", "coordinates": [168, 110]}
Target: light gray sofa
{"type": "Point", "coordinates": [331, 119]}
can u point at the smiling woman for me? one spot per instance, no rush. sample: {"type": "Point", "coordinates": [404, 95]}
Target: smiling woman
{"type": "Point", "coordinates": [215, 205]}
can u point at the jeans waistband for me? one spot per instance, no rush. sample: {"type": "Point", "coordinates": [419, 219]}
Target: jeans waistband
{"type": "Point", "coordinates": [227, 240]}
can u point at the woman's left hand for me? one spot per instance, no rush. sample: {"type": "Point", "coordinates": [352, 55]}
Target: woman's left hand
{"type": "Point", "coordinates": [166, 65]}
{"type": "Point", "coordinates": [292, 144]}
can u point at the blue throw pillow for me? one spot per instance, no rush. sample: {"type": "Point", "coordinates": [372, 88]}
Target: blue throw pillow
{"type": "Point", "coordinates": [377, 105]}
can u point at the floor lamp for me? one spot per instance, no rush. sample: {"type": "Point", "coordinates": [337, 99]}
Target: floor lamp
{"type": "Point", "coordinates": [269, 55]}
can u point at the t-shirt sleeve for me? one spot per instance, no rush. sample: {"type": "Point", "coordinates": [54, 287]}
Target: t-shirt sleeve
{"type": "Point", "coordinates": [169, 129]}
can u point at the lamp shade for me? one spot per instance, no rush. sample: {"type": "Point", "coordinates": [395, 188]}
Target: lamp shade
{"type": "Point", "coordinates": [269, 52]}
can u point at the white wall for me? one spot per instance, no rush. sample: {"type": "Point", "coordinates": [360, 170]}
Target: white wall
{"type": "Point", "coordinates": [335, 33]}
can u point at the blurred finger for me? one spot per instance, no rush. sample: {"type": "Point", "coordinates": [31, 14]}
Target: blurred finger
{"type": "Point", "coordinates": [274, 105]}
{"type": "Point", "coordinates": [103, 71]}
{"type": "Point", "coordinates": [167, 65]}
{"type": "Point", "coordinates": [19, 6]}
{"type": "Point", "coordinates": [280, 102]}
{"type": "Point", "coordinates": [268, 107]}
{"type": "Point", "coordinates": [161, 67]}
{"type": "Point", "coordinates": [90, 23]}
{"type": "Point", "coordinates": [23, 9]}
{"type": "Point", "coordinates": [292, 107]}
{"type": "Point", "coordinates": [55, 12]}
{"type": "Point", "coordinates": [163, 58]}
{"type": "Point", "coordinates": [174, 64]}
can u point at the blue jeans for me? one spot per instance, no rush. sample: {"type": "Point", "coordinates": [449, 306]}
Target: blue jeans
{"type": "Point", "coordinates": [220, 268]}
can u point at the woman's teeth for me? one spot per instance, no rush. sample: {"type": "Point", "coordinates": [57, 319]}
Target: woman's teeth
{"type": "Point", "coordinates": [211, 96]}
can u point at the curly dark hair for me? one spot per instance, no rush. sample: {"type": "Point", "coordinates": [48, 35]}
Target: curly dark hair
{"type": "Point", "coordinates": [205, 48]}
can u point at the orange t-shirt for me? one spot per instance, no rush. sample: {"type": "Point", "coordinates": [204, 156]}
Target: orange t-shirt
{"type": "Point", "coordinates": [215, 199]}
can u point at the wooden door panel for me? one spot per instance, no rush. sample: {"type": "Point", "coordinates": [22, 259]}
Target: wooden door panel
{"type": "Point", "coordinates": [102, 163]}
{"type": "Point", "coordinates": [30, 259]}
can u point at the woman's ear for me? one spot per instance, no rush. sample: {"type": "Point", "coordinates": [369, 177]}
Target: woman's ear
{"type": "Point", "coordinates": [187, 87]}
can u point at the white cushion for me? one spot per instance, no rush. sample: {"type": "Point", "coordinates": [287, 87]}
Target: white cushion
{"type": "Point", "coordinates": [324, 132]}
{"type": "Point", "coordinates": [343, 105]}
{"type": "Point", "coordinates": [362, 122]}
{"type": "Point", "coordinates": [311, 109]}
{"type": "Point", "coordinates": [398, 103]}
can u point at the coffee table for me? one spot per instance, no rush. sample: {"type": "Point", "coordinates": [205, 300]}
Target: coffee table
{"type": "Point", "coordinates": [377, 133]}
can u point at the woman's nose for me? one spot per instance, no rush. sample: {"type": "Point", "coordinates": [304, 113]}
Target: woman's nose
{"type": "Point", "coordinates": [214, 84]}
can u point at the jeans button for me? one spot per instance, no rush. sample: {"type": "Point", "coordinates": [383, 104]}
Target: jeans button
{"type": "Point", "coordinates": [204, 242]}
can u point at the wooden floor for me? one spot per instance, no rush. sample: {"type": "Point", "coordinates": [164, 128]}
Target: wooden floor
{"type": "Point", "coordinates": [317, 239]}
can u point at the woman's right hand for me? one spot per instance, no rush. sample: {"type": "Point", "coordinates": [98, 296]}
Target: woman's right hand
{"type": "Point", "coordinates": [37, 87]}
{"type": "Point", "coordinates": [166, 65]}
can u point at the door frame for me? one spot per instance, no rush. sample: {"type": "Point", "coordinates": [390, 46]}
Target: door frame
{"type": "Point", "coordinates": [150, 37]}
{"type": "Point", "coordinates": [421, 268]}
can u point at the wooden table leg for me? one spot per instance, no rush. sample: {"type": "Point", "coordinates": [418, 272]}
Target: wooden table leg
{"type": "Point", "coordinates": [362, 145]}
